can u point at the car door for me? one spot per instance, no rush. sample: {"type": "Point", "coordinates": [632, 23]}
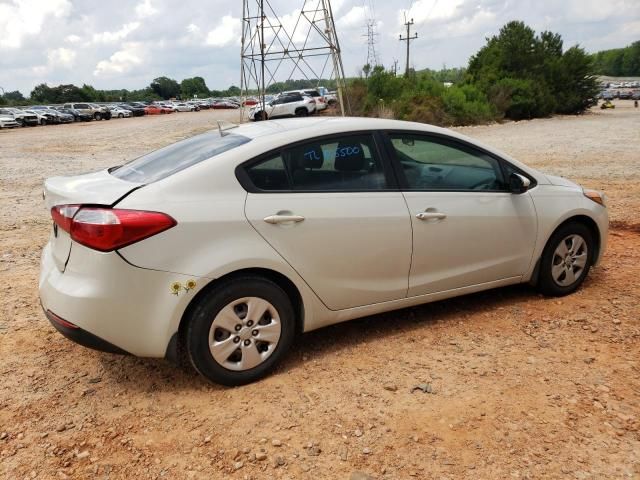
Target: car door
{"type": "Point", "coordinates": [468, 229]}
{"type": "Point", "coordinates": [331, 209]}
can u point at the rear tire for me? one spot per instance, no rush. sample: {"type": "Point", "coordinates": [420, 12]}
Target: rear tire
{"type": "Point", "coordinates": [222, 323]}
{"type": "Point", "coordinates": [97, 116]}
{"type": "Point", "coordinates": [566, 260]}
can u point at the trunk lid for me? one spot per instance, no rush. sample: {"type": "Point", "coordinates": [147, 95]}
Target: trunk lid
{"type": "Point", "coordinates": [98, 188]}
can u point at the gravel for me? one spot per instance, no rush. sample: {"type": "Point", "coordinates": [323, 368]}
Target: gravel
{"type": "Point", "coordinates": [555, 417]}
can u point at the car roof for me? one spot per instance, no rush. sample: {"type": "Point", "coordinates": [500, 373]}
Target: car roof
{"type": "Point", "coordinates": [265, 135]}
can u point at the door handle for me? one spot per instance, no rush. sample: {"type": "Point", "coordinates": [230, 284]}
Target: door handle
{"type": "Point", "coordinates": [275, 219]}
{"type": "Point", "coordinates": [431, 215]}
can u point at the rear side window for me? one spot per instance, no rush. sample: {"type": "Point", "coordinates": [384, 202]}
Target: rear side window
{"type": "Point", "coordinates": [174, 158]}
{"type": "Point", "coordinates": [341, 164]}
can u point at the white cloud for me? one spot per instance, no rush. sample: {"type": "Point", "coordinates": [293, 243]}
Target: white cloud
{"type": "Point", "coordinates": [114, 37]}
{"type": "Point", "coordinates": [61, 57]}
{"type": "Point", "coordinates": [122, 61]}
{"type": "Point", "coordinates": [226, 33]}
{"type": "Point", "coordinates": [145, 9]}
{"type": "Point", "coordinates": [20, 18]}
{"type": "Point", "coordinates": [72, 38]}
{"type": "Point", "coordinates": [430, 10]}
{"type": "Point", "coordinates": [357, 16]}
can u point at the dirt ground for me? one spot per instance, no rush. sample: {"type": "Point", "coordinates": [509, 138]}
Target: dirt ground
{"type": "Point", "coordinates": [521, 386]}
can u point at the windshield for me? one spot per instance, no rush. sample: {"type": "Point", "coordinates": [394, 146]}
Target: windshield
{"type": "Point", "coordinates": [174, 158]}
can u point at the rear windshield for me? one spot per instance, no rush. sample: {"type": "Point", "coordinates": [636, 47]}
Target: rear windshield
{"type": "Point", "coordinates": [178, 156]}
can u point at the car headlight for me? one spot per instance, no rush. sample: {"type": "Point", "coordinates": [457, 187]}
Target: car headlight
{"type": "Point", "coordinates": [596, 196]}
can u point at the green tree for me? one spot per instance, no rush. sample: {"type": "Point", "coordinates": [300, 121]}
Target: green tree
{"type": "Point", "coordinates": [190, 87]}
{"type": "Point", "coordinates": [526, 75]}
{"type": "Point", "coordinates": [165, 87]}
{"type": "Point", "coordinates": [42, 93]}
{"type": "Point", "coordinates": [618, 61]}
{"type": "Point", "coordinates": [13, 98]}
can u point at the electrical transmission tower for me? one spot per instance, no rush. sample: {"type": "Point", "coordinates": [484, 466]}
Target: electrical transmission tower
{"type": "Point", "coordinates": [408, 39]}
{"type": "Point", "coordinates": [372, 56]}
{"type": "Point", "coordinates": [307, 48]}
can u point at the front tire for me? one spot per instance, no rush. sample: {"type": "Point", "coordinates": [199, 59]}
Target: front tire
{"type": "Point", "coordinates": [97, 116]}
{"type": "Point", "coordinates": [239, 330]}
{"type": "Point", "coordinates": [566, 260]}
{"type": "Point", "coordinates": [302, 112]}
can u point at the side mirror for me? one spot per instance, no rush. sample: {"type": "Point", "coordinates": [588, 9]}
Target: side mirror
{"type": "Point", "coordinates": [518, 183]}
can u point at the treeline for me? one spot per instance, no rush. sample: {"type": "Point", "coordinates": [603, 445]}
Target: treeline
{"type": "Point", "coordinates": [516, 75]}
{"type": "Point", "coordinates": [161, 88]}
{"type": "Point", "coordinates": [618, 62]}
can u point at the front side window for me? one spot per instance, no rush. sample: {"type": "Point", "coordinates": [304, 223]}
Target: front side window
{"type": "Point", "coordinates": [434, 164]}
{"type": "Point", "coordinates": [348, 163]}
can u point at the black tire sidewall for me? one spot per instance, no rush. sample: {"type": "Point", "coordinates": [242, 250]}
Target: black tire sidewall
{"type": "Point", "coordinates": [202, 316]}
{"type": "Point", "coordinates": [547, 284]}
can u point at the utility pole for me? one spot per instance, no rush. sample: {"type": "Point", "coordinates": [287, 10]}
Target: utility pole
{"type": "Point", "coordinates": [395, 67]}
{"type": "Point", "coordinates": [408, 39]}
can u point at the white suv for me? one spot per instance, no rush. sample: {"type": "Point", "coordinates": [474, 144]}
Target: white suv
{"type": "Point", "coordinates": [286, 105]}
{"type": "Point", "coordinates": [321, 101]}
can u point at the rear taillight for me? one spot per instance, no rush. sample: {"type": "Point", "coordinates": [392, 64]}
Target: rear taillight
{"type": "Point", "coordinates": [106, 229]}
{"type": "Point", "coordinates": [63, 215]}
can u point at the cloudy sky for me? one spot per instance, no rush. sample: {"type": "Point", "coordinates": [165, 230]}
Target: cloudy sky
{"type": "Point", "coordinates": [126, 43]}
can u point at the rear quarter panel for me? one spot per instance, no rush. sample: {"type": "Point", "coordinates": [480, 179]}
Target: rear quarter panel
{"type": "Point", "coordinates": [213, 237]}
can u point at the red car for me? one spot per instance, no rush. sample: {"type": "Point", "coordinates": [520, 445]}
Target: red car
{"type": "Point", "coordinates": [156, 110]}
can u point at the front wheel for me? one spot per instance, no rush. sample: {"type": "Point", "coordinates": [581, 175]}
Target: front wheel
{"type": "Point", "coordinates": [302, 112]}
{"type": "Point", "coordinates": [120, 115]}
{"type": "Point", "coordinates": [239, 330]}
{"type": "Point", "coordinates": [566, 260]}
{"type": "Point", "coordinates": [97, 116]}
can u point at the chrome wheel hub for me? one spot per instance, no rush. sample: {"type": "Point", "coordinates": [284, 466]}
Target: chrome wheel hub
{"type": "Point", "coordinates": [244, 333]}
{"type": "Point", "coordinates": [569, 260]}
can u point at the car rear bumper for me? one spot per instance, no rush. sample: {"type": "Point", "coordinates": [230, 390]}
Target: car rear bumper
{"type": "Point", "coordinates": [80, 336]}
{"type": "Point", "coordinates": [114, 305]}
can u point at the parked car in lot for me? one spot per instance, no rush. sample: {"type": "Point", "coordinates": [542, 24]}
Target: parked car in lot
{"type": "Point", "coordinates": [52, 116]}
{"type": "Point", "coordinates": [78, 116]}
{"type": "Point", "coordinates": [95, 111]}
{"type": "Point", "coordinates": [184, 107]}
{"type": "Point", "coordinates": [293, 105]}
{"type": "Point", "coordinates": [119, 112]}
{"type": "Point", "coordinates": [321, 103]}
{"type": "Point", "coordinates": [42, 119]}
{"type": "Point", "coordinates": [156, 110]}
{"type": "Point", "coordinates": [136, 111]}
{"type": "Point", "coordinates": [225, 245]}
{"type": "Point", "coordinates": [167, 105]}
{"type": "Point", "coordinates": [23, 118]}
{"type": "Point", "coordinates": [224, 105]}
{"type": "Point", "coordinates": [7, 120]}
{"type": "Point", "coordinates": [624, 94]}
{"type": "Point", "coordinates": [195, 105]}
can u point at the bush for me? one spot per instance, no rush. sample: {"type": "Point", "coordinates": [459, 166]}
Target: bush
{"type": "Point", "coordinates": [467, 105]}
